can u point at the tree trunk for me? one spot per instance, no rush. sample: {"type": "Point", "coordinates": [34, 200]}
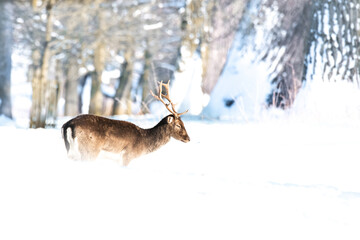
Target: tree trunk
{"type": "Point", "coordinates": [96, 98]}
{"type": "Point", "coordinates": [71, 88]}
{"type": "Point", "coordinates": [288, 69]}
{"type": "Point", "coordinates": [39, 110]}
{"type": "Point", "coordinates": [145, 82]}
{"type": "Point", "coordinates": [124, 86]}
{"type": "Point", "coordinates": [52, 94]}
{"type": "Point", "coordinates": [34, 76]}
{"type": "Point", "coordinates": [5, 58]}
{"type": "Point", "coordinates": [222, 23]}
{"type": "Point", "coordinates": [96, 102]}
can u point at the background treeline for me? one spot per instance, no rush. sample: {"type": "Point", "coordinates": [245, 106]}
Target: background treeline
{"type": "Point", "coordinates": [73, 44]}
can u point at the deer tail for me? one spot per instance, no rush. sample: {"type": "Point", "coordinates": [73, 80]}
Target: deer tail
{"type": "Point", "coordinates": [66, 134]}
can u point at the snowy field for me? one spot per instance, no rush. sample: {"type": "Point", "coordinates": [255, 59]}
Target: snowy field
{"type": "Point", "coordinates": [274, 179]}
{"type": "Point", "coordinates": [281, 175]}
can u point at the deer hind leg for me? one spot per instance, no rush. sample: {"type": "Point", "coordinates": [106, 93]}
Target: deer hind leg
{"type": "Point", "coordinates": [88, 150]}
{"type": "Point", "coordinates": [89, 155]}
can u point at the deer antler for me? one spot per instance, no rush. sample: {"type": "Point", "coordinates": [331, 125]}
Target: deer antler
{"type": "Point", "coordinates": [167, 97]}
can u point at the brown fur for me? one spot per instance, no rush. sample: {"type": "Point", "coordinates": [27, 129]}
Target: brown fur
{"type": "Point", "coordinates": [95, 134]}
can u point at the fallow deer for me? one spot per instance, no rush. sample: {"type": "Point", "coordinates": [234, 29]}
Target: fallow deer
{"type": "Point", "coordinates": [87, 135]}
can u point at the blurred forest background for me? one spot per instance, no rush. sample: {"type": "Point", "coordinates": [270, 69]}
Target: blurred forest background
{"type": "Point", "coordinates": [117, 50]}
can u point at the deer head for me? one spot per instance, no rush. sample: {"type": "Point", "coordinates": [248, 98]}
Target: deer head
{"type": "Point", "coordinates": [174, 121]}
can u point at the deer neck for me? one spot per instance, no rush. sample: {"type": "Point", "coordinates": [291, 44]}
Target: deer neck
{"type": "Point", "coordinates": [157, 137]}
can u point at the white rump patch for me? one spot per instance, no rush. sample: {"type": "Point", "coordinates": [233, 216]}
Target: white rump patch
{"type": "Point", "coordinates": [74, 152]}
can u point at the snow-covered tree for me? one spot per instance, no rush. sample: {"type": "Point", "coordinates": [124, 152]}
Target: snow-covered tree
{"type": "Point", "coordinates": [279, 45]}
{"type": "Point", "coordinates": [287, 49]}
{"type": "Point", "coordinates": [314, 40]}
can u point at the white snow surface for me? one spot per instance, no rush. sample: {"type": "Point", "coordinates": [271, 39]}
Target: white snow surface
{"type": "Point", "coordinates": [280, 175]}
{"type": "Point", "coordinates": [273, 179]}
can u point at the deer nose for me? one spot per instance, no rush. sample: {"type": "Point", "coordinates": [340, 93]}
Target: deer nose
{"type": "Point", "coordinates": [186, 139]}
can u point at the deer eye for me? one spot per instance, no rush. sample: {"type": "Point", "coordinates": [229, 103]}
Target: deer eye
{"type": "Point", "coordinates": [177, 126]}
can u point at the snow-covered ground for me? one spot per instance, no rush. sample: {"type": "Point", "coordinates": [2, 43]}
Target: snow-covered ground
{"type": "Point", "coordinates": [279, 175]}
{"type": "Point", "coordinates": [273, 179]}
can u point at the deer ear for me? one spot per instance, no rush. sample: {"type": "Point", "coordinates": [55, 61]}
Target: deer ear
{"type": "Point", "coordinates": [170, 119]}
